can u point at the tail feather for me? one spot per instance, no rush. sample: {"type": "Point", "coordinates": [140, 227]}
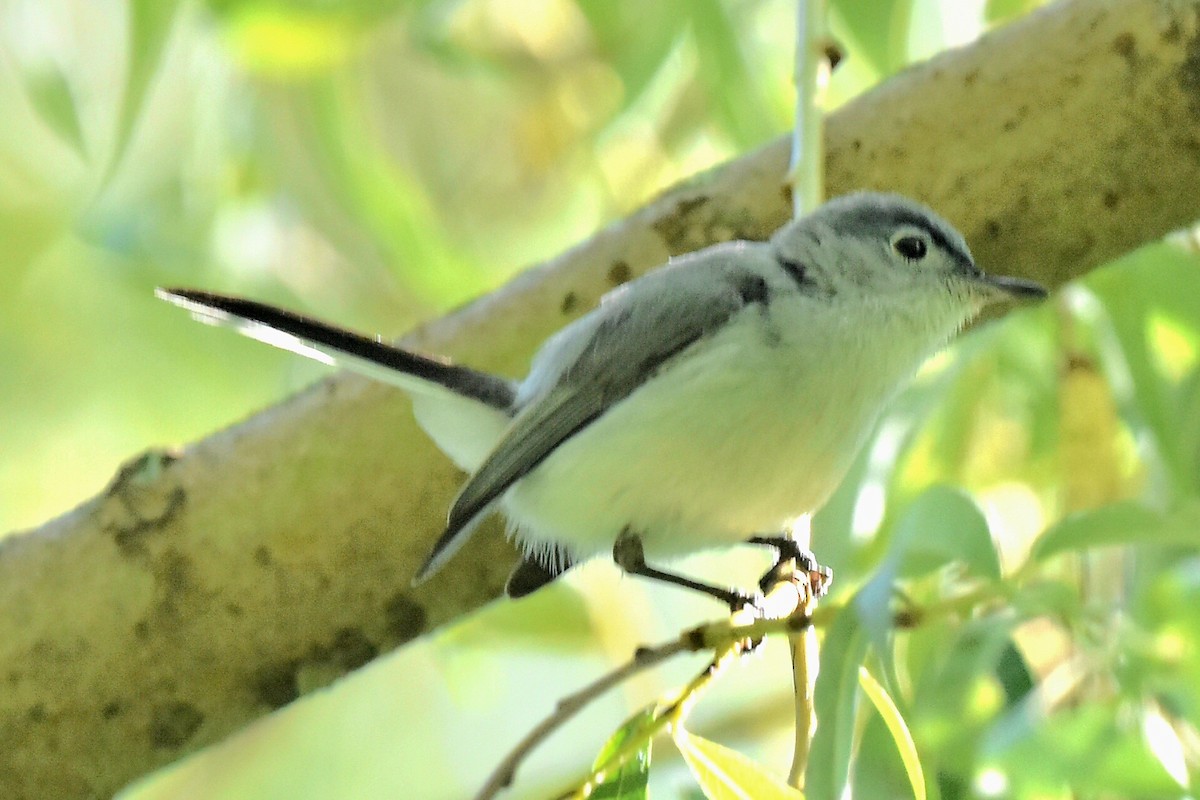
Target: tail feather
{"type": "Point", "coordinates": [333, 345]}
{"type": "Point", "coordinates": [464, 411]}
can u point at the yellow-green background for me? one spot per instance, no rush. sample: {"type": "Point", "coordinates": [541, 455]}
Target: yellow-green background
{"type": "Point", "coordinates": [377, 163]}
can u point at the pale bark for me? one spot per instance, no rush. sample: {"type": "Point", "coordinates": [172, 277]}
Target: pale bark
{"type": "Point", "coordinates": [203, 590]}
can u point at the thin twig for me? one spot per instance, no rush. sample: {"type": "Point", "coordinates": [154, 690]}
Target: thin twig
{"type": "Point", "coordinates": [720, 636]}
{"type": "Point", "coordinates": [807, 175]}
{"type": "Point", "coordinates": [805, 662]}
{"type": "Point", "coordinates": [671, 715]}
{"type": "Point", "coordinates": [807, 172]}
{"type": "Point", "coordinates": [569, 706]}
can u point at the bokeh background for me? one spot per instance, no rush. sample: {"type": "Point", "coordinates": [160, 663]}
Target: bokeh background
{"type": "Point", "coordinates": [378, 162]}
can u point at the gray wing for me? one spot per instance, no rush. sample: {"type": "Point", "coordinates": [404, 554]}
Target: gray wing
{"type": "Point", "coordinates": [634, 334]}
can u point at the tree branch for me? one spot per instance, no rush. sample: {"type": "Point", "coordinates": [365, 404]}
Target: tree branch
{"type": "Point", "coordinates": [204, 589]}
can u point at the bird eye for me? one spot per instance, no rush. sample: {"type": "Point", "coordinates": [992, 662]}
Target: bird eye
{"type": "Point", "coordinates": [911, 247]}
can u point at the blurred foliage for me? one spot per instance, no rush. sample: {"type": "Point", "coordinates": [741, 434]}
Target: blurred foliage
{"type": "Point", "coordinates": [1036, 493]}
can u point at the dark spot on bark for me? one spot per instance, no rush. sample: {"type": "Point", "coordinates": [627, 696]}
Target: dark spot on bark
{"type": "Point", "coordinates": [684, 230]}
{"type": "Point", "coordinates": [173, 724]}
{"type": "Point", "coordinates": [405, 617]}
{"type": "Point", "coordinates": [351, 649]}
{"type": "Point", "coordinates": [175, 571]}
{"type": "Point", "coordinates": [970, 78]}
{"type": "Point", "coordinates": [1189, 74]}
{"type": "Point", "coordinates": [1111, 199]}
{"type": "Point", "coordinates": [141, 629]}
{"type": "Point", "coordinates": [234, 609]}
{"type": "Point", "coordinates": [786, 192]}
{"type": "Point", "coordinates": [991, 228]}
{"type": "Point", "coordinates": [570, 302]}
{"type": "Point", "coordinates": [128, 537]}
{"type": "Point", "coordinates": [689, 204]}
{"type": "Point", "coordinates": [1173, 33]}
{"type": "Point", "coordinates": [753, 289]}
{"type": "Point", "coordinates": [1010, 125]}
{"type": "Point", "coordinates": [111, 709]}
{"type": "Point", "coordinates": [1074, 80]}
{"type": "Point", "coordinates": [36, 713]}
{"type": "Point", "coordinates": [262, 556]}
{"type": "Point", "coordinates": [1126, 47]}
{"type": "Point", "coordinates": [856, 145]}
{"type": "Point", "coordinates": [619, 273]}
{"type": "Point", "coordinates": [140, 470]}
{"type": "Point", "coordinates": [139, 500]}
{"type": "Point", "coordinates": [275, 685]}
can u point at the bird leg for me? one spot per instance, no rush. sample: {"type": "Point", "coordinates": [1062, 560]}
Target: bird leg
{"type": "Point", "coordinates": [629, 556]}
{"type": "Point", "coordinates": [788, 550]}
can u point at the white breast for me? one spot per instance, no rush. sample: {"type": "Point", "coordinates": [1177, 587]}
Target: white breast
{"type": "Point", "coordinates": [740, 436]}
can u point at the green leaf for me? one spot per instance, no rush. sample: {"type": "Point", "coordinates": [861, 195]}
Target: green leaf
{"type": "Point", "coordinates": [1091, 751]}
{"type": "Point", "coordinates": [52, 98]}
{"type": "Point", "coordinates": [1153, 283]}
{"type": "Point", "coordinates": [1014, 674]}
{"type": "Point", "coordinates": [998, 11]}
{"type": "Point", "coordinates": [836, 702]}
{"type": "Point", "coordinates": [725, 774]}
{"type": "Point", "coordinates": [941, 526]}
{"type": "Point", "coordinates": [898, 728]}
{"type": "Point", "coordinates": [629, 780]}
{"type": "Point", "coordinates": [149, 27]}
{"type": "Point", "coordinates": [555, 619]}
{"type": "Point", "coordinates": [876, 32]}
{"type": "Point", "coordinates": [635, 39]}
{"type": "Point", "coordinates": [1125, 523]}
{"type": "Point", "coordinates": [733, 91]}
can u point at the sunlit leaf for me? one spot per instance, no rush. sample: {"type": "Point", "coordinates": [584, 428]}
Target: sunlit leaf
{"type": "Point", "coordinates": [378, 199]}
{"type": "Point", "coordinates": [636, 39]}
{"type": "Point", "coordinates": [898, 728]}
{"type": "Point", "coordinates": [725, 774]}
{"type": "Point", "coordinates": [1094, 750]}
{"type": "Point", "coordinates": [150, 23]}
{"type": "Point", "coordinates": [735, 99]}
{"type": "Point", "coordinates": [553, 619]}
{"type": "Point", "coordinates": [284, 42]}
{"type": "Point", "coordinates": [1090, 462]}
{"type": "Point", "coordinates": [877, 32]}
{"type": "Point", "coordinates": [628, 781]}
{"type": "Point", "coordinates": [1143, 286]}
{"type": "Point", "coordinates": [52, 98]}
{"type": "Point", "coordinates": [998, 11]}
{"type": "Point", "coordinates": [1125, 523]}
{"type": "Point", "coordinates": [941, 526]}
{"type": "Point", "coordinates": [836, 702]}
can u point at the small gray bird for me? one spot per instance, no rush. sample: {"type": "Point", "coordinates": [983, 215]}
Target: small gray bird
{"type": "Point", "coordinates": [709, 402]}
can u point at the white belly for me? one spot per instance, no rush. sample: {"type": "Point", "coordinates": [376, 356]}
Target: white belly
{"type": "Point", "coordinates": [739, 439]}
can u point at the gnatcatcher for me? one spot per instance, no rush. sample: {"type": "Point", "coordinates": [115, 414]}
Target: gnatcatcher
{"type": "Point", "coordinates": [709, 402]}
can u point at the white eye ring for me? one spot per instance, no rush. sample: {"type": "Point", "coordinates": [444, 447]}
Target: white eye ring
{"type": "Point", "coordinates": [910, 246]}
